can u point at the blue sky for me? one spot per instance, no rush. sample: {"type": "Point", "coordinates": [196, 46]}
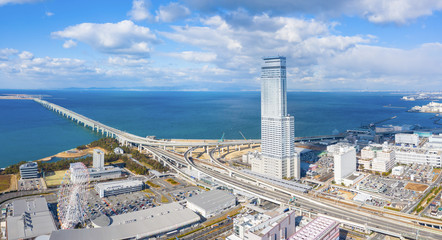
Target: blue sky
{"type": "Point", "coordinates": [196, 45]}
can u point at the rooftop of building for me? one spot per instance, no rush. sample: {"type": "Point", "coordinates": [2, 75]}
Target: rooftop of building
{"type": "Point", "coordinates": [273, 57]}
{"type": "Point", "coordinates": [139, 224]}
{"type": "Point", "coordinates": [104, 169]}
{"type": "Point", "coordinates": [264, 227]}
{"type": "Point", "coordinates": [29, 165]}
{"type": "Point", "coordinates": [98, 151]}
{"type": "Point", "coordinates": [30, 218]}
{"type": "Point", "coordinates": [315, 229]}
{"type": "Point", "coordinates": [119, 184]}
{"type": "Point", "coordinates": [211, 199]}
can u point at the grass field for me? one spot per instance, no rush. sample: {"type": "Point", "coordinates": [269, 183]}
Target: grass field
{"type": "Point", "coordinates": [172, 182]}
{"type": "Point", "coordinates": [416, 187]}
{"type": "Point", "coordinates": [151, 184]}
{"type": "Point", "coordinates": [54, 178]}
{"type": "Point", "coordinates": [5, 182]}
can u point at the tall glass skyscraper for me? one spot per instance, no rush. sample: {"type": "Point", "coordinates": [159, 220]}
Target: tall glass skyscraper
{"type": "Point", "coordinates": [278, 157]}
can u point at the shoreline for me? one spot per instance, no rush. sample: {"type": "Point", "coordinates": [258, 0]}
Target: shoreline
{"type": "Point", "coordinates": [71, 153]}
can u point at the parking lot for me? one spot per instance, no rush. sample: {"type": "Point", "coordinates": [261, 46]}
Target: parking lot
{"type": "Point", "coordinates": [30, 184]}
{"type": "Point", "coordinates": [166, 190]}
{"type": "Point", "coordinates": [418, 173]}
{"type": "Point", "coordinates": [390, 188]}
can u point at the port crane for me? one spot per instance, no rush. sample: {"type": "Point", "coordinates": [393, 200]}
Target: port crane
{"type": "Point", "coordinates": [222, 138]}
{"type": "Point", "coordinates": [242, 135]}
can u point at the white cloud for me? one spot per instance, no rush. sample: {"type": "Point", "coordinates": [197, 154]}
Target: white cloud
{"type": "Point", "coordinates": [139, 11]}
{"type": "Point", "coordinates": [192, 56]}
{"type": "Point", "coordinates": [25, 55]}
{"type": "Point", "coordinates": [23, 70]}
{"type": "Point", "coordinates": [49, 14]}
{"type": "Point", "coordinates": [398, 11]}
{"type": "Point", "coordinates": [123, 38]}
{"type": "Point", "coordinates": [4, 2]}
{"type": "Point", "coordinates": [376, 11]}
{"type": "Point", "coordinates": [5, 53]}
{"type": "Point", "coordinates": [69, 43]}
{"type": "Point", "coordinates": [317, 58]}
{"type": "Point", "coordinates": [172, 12]}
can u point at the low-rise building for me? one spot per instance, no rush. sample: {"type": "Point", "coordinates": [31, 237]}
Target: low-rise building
{"type": "Point", "coordinates": [29, 170]}
{"type": "Point", "coordinates": [403, 138]}
{"type": "Point", "coordinates": [320, 228]}
{"type": "Point", "coordinates": [118, 187]}
{"type": "Point", "coordinates": [107, 172]}
{"type": "Point", "coordinates": [118, 151]}
{"type": "Point", "coordinates": [211, 203]}
{"type": "Point", "coordinates": [263, 227]}
{"type": "Point", "coordinates": [30, 218]}
{"type": "Point", "coordinates": [397, 171]}
{"type": "Point", "coordinates": [426, 156]}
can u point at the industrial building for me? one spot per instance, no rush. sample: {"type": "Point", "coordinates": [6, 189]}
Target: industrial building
{"type": "Point", "coordinates": [320, 228]}
{"type": "Point", "coordinates": [409, 139]}
{"type": "Point", "coordinates": [344, 157]}
{"type": "Point", "coordinates": [278, 157]}
{"type": "Point", "coordinates": [211, 203]}
{"type": "Point", "coordinates": [98, 159]}
{"type": "Point", "coordinates": [30, 218]}
{"type": "Point", "coordinates": [29, 170]}
{"type": "Point", "coordinates": [118, 187]}
{"type": "Point", "coordinates": [264, 227]}
{"type": "Point", "coordinates": [107, 172]}
{"type": "Point", "coordinates": [143, 224]}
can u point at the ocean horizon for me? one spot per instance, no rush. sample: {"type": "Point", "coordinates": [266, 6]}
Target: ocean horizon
{"type": "Point", "coordinates": [29, 132]}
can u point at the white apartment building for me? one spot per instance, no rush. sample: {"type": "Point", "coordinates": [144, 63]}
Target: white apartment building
{"type": "Point", "coordinates": [376, 157]}
{"type": "Point", "coordinates": [403, 138]}
{"type": "Point", "coordinates": [278, 157]}
{"type": "Point", "coordinates": [384, 161]}
{"type": "Point", "coordinates": [344, 162]}
{"type": "Point", "coordinates": [98, 159]}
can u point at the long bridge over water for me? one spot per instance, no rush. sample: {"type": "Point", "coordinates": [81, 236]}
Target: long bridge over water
{"type": "Point", "coordinates": [126, 138]}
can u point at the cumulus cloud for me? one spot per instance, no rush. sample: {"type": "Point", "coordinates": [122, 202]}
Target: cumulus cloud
{"type": "Point", "coordinates": [69, 43]}
{"type": "Point", "coordinates": [24, 70]}
{"type": "Point", "coordinates": [4, 2]}
{"type": "Point", "coordinates": [376, 11]}
{"type": "Point", "coordinates": [172, 12]}
{"type": "Point", "coordinates": [139, 10]}
{"type": "Point", "coordinates": [125, 37]}
{"type": "Point", "coordinates": [239, 47]}
{"type": "Point", "coordinates": [317, 58]}
{"type": "Point", "coordinates": [194, 56]}
{"type": "Point", "coordinates": [5, 53]}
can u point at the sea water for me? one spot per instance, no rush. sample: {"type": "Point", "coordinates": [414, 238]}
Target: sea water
{"type": "Point", "coordinates": [28, 131]}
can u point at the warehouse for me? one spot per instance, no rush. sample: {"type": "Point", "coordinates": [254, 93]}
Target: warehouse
{"type": "Point", "coordinates": [118, 187]}
{"type": "Point", "coordinates": [143, 224]}
{"type": "Point", "coordinates": [30, 218]}
{"type": "Point", "coordinates": [211, 203]}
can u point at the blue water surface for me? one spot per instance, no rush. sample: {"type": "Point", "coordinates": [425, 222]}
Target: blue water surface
{"type": "Point", "coordinates": [29, 131]}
